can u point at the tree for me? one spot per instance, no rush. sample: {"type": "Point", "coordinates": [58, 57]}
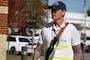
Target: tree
{"type": "Point", "coordinates": [36, 13]}
{"type": "Point", "coordinates": [21, 11]}
{"type": "Point", "coordinates": [88, 12]}
{"type": "Point", "coordinates": [17, 19]}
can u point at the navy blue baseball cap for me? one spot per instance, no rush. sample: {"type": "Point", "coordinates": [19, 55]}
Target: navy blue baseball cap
{"type": "Point", "coordinates": [57, 5]}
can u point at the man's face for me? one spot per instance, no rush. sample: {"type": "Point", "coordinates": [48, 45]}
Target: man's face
{"type": "Point", "coordinates": [57, 15]}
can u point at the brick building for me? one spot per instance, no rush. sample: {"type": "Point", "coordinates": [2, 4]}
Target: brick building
{"type": "Point", "coordinates": [3, 28]}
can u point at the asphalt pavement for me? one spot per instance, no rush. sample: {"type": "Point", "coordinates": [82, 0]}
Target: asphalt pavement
{"type": "Point", "coordinates": [85, 56]}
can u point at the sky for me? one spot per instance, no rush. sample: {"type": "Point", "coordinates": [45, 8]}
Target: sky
{"type": "Point", "coordinates": [74, 5]}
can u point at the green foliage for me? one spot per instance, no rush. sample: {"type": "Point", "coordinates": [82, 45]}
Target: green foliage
{"type": "Point", "coordinates": [36, 10]}
{"type": "Point", "coordinates": [88, 12]}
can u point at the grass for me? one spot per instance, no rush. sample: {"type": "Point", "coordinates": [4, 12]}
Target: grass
{"type": "Point", "coordinates": [29, 57]}
{"type": "Point", "coordinates": [16, 57]}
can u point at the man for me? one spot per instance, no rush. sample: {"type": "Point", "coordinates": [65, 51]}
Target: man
{"type": "Point", "coordinates": [68, 45]}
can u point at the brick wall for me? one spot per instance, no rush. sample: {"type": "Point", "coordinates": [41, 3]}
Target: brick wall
{"type": "Point", "coordinates": [3, 16]}
{"type": "Point", "coordinates": [3, 28]}
{"type": "Point", "coordinates": [3, 2]}
{"type": "Point", "coordinates": [3, 23]}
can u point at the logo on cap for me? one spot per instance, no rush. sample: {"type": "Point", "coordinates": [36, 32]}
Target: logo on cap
{"type": "Point", "coordinates": [56, 3]}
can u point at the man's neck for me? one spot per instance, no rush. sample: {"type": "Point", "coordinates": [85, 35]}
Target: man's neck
{"type": "Point", "coordinates": [59, 22]}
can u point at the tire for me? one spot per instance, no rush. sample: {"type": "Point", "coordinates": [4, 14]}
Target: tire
{"type": "Point", "coordinates": [12, 50]}
{"type": "Point", "coordinates": [89, 48]}
{"type": "Point", "coordinates": [82, 46]}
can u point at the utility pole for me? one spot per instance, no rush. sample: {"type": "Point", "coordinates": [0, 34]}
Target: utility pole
{"type": "Point", "coordinates": [84, 28]}
{"type": "Point", "coordinates": [47, 12]}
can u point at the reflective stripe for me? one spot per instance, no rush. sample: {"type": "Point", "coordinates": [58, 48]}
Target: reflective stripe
{"type": "Point", "coordinates": [62, 46]}
{"type": "Point", "coordinates": [46, 45]}
{"type": "Point", "coordinates": [58, 46]}
{"type": "Point", "coordinates": [59, 58]}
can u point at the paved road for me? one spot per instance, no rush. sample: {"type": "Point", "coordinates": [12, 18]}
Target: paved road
{"type": "Point", "coordinates": [86, 56]}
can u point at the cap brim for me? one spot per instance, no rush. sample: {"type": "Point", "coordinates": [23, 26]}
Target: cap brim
{"type": "Point", "coordinates": [53, 7]}
{"type": "Point", "coordinates": [49, 7]}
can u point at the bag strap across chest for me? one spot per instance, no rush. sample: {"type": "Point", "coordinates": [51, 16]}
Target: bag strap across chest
{"type": "Point", "coordinates": [62, 29]}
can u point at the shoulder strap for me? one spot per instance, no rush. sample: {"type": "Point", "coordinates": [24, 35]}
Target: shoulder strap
{"type": "Point", "coordinates": [62, 29]}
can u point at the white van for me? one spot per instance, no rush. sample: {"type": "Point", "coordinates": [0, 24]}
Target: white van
{"type": "Point", "coordinates": [35, 38]}
{"type": "Point", "coordinates": [15, 44]}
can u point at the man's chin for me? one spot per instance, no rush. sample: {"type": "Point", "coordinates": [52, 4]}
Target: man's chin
{"type": "Point", "coordinates": [54, 18]}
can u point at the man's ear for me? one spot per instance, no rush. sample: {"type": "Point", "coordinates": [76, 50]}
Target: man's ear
{"type": "Point", "coordinates": [64, 11]}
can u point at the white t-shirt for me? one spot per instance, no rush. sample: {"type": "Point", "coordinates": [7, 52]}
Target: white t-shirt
{"type": "Point", "coordinates": [63, 49]}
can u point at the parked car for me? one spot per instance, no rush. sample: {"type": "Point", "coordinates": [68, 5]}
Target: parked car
{"type": "Point", "coordinates": [35, 38]}
{"type": "Point", "coordinates": [15, 44]}
{"type": "Point", "coordinates": [87, 44]}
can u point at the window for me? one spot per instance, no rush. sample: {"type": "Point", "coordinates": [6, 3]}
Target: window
{"type": "Point", "coordinates": [36, 34]}
{"type": "Point", "coordinates": [82, 38]}
{"type": "Point", "coordinates": [87, 38]}
{"type": "Point", "coordinates": [23, 40]}
{"type": "Point", "coordinates": [11, 39]}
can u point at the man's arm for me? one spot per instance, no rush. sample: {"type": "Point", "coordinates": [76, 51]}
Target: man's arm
{"type": "Point", "coordinates": [77, 52]}
{"type": "Point", "coordinates": [37, 52]}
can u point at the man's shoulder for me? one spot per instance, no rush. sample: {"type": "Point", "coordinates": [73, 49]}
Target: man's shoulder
{"type": "Point", "coordinates": [48, 25]}
{"type": "Point", "coordinates": [72, 26]}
